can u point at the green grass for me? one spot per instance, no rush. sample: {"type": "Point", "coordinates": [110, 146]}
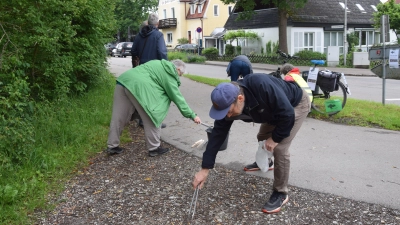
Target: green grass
{"type": "Point", "coordinates": [68, 133]}
{"type": "Point", "coordinates": [356, 112]}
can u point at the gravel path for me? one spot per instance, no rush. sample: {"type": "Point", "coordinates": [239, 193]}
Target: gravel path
{"type": "Point", "coordinates": [132, 188]}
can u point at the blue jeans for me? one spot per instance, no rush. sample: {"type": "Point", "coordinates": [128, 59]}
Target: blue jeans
{"type": "Point", "coordinates": [238, 68]}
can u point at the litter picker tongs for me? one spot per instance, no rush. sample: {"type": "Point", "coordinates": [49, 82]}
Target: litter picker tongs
{"type": "Point", "coordinates": [194, 202]}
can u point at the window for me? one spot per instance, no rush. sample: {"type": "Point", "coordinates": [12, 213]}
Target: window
{"type": "Point", "coordinates": [229, 10]}
{"type": "Point", "coordinates": [334, 38]}
{"type": "Point", "coordinates": [199, 8]}
{"type": "Point", "coordinates": [169, 37]}
{"type": "Point", "coordinates": [165, 13]}
{"type": "Point", "coordinates": [215, 10]}
{"type": "Point", "coordinates": [173, 12]}
{"type": "Point", "coordinates": [192, 9]}
{"type": "Point", "coordinates": [309, 41]}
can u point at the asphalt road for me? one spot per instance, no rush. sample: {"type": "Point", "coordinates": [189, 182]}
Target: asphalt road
{"type": "Point", "coordinates": [352, 162]}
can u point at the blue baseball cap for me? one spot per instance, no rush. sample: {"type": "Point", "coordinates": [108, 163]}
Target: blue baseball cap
{"type": "Point", "coordinates": [222, 98]}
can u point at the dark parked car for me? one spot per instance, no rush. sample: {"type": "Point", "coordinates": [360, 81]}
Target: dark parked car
{"type": "Point", "coordinates": [123, 49]}
{"type": "Point", "coordinates": [187, 48]}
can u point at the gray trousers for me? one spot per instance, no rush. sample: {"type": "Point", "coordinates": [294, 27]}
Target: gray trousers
{"type": "Point", "coordinates": [281, 151]}
{"type": "Point", "coordinates": [124, 105]}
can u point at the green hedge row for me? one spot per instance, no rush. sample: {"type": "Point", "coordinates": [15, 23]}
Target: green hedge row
{"type": "Point", "coordinates": [48, 50]}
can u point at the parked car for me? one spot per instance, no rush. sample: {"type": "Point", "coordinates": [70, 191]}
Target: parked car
{"type": "Point", "coordinates": [188, 48]}
{"type": "Point", "coordinates": [109, 47]}
{"type": "Point", "coordinates": [123, 49]}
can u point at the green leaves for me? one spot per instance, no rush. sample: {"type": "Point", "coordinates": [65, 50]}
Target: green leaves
{"type": "Point", "coordinates": [392, 9]}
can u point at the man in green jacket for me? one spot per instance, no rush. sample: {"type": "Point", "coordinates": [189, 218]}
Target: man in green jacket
{"type": "Point", "coordinates": [149, 89]}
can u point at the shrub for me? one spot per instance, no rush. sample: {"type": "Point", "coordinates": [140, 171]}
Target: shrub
{"type": "Point", "coordinates": [210, 51]}
{"type": "Point", "coordinates": [192, 58]}
{"type": "Point", "coordinates": [183, 40]}
{"type": "Point", "coordinates": [229, 49]}
{"type": "Point", "coordinates": [238, 50]}
{"type": "Point", "coordinates": [306, 54]}
{"type": "Point", "coordinates": [177, 55]}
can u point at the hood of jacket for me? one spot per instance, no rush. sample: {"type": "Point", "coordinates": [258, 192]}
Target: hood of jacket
{"type": "Point", "coordinates": [171, 70]}
{"type": "Point", "coordinates": [147, 30]}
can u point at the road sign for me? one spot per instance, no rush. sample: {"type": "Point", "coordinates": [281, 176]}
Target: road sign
{"type": "Point", "coordinates": [199, 30]}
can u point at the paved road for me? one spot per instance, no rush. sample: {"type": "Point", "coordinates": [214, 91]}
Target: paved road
{"type": "Point", "coordinates": [353, 162]}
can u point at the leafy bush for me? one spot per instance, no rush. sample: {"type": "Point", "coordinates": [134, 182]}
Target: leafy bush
{"type": "Point", "coordinates": [177, 55]}
{"type": "Point", "coordinates": [47, 57]}
{"type": "Point", "coordinates": [192, 58]}
{"type": "Point", "coordinates": [306, 54]}
{"type": "Point", "coordinates": [210, 51]}
{"type": "Point", "coordinates": [238, 50]}
{"type": "Point", "coordinates": [183, 41]}
{"type": "Point", "coordinates": [229, 49]}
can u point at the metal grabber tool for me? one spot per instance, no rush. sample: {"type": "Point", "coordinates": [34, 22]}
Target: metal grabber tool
{"type": "Point", "coordinates": [194, 202]}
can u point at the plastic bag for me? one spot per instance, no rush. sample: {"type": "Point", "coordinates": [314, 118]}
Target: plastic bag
{"type": "Point", "coordinates": [263, 156]}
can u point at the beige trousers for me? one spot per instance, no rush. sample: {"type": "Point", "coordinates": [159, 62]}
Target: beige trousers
{"type": "Point", "coordinates": [281, 151]}
{"type": "Point", "coordinates": [124, 105]}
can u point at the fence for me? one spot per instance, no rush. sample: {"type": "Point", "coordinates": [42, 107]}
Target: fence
{"type": "Point", "coordinates": [264, 59]}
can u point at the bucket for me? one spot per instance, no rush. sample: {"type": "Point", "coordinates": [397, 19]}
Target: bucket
{"type": "Point", "coordinates": [333, 105]}
{"type": "Point", "coordinates": [224, 145]}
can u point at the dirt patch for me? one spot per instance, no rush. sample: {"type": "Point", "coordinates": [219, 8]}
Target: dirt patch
{"type": "Point", "coordinates": [132, 188]}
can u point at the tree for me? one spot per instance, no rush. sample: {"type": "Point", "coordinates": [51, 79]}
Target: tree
{"type": "Point", "coordinates": [285, 9]}
{"type": "Point", "coordinates": [130, 14]}
{"type": "Point", "coordinates": [391, 9]}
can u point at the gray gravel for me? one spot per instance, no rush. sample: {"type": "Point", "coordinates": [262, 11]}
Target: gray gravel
{"type": "Point", "coordinates": [132, 188]}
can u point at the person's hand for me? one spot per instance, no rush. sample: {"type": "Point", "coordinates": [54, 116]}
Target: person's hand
{"type": "Point", "coordinates": [200, 178]}
{"type": "Point", "coordinates": [197, 120]}
{"type": "Point", "coordinates": [270, 144]}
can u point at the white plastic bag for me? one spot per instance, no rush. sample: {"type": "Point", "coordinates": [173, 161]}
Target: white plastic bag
{"type": "Point", "coordinates": [263, 156]}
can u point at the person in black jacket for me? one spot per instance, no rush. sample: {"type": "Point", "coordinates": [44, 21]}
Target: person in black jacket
{"type": "Point", "coordinates": [279, 106]}
{"type": "Point", "coordinates": [149, 44]}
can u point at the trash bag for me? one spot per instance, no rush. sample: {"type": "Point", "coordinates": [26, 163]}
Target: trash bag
{"type": "Point", "coordinates": [263, 156]}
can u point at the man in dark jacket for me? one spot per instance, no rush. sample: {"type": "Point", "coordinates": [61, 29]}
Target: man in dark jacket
{"type": "Point", "coordinates": [149, 44]}
{"type": "Point", "coordinates": [239, 66]}
{"type": "Point", "coordinates": [279, 106]}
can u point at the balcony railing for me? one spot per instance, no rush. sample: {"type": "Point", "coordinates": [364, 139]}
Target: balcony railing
{"type": "Point", "coordinates": [167, 23]}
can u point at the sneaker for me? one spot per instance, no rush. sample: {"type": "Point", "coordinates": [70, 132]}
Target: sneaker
{"type": "Point", "coordinates": [158, 151]}
{"type": "Point", "coordinates": [254, 166]}
{"type": "Point", "coordinates": [113, 151]}
{"type": "Point", "coordinates": [276, 201]}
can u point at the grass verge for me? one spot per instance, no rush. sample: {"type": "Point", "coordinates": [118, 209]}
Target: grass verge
{"type": "Point", "coordinates": [356, 112]}
{"type": "Point", "coordinates": [67, 133]}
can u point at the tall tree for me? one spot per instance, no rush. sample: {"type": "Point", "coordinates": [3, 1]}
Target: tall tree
{"type": "Point", "coordinates": [285, 9]}
{"type": "Point", "coordinates": [392, 9]}
{"type": "Point", "coordinates": [131, 13]}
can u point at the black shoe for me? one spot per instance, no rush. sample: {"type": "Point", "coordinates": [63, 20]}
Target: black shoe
{"type": "Point", "coordinates": [254, 166]}
{"type": "Point", "coordinates": [158, 151]}
{"type": "Point", "coordinates": [113, 151]}
{"type": "Point", "coordinates": [141, 122]}
{"type": "Point", "coordinates": [163, 125]}
{"type": "Point", "coordinates": [276, 201]}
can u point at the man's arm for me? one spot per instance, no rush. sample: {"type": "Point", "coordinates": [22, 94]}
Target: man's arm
{"type": "Point", "coordinates": [215, 141]}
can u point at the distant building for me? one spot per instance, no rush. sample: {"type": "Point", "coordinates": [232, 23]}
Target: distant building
{"type": "Point", "coordinates": [184, 18]}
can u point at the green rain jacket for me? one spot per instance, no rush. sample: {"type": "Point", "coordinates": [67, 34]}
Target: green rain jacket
{"type": "Point", "coordinates": [155, 84]}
